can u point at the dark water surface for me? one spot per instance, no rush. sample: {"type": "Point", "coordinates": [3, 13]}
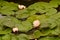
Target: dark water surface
{"type": "Point", "coordinates": [27, 2]}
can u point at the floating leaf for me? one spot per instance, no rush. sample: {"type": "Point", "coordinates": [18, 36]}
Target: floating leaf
{"type": "Point", "coordinates": [51, 11]}
{"type": "Point", "coordinates": [6, 37]}
{"type": "Point", "coordinates": [22, 14]}
{"type": "Point", "coordinates": [24, 27]}
{"type": "Point", "coordinates": [11, 22]}
{"type": "Point", "coordinates": [23, 37]}
{"type": "Point", "coordinates": [8, 8]}
{"type": "Point", "coordinates": [14, 37]}
{"type": "Point", "coordinates": [50, 38]}
{"type": "Point", "coordinates": [6, 31]}
{"type": "Point", "coordinates": [37, 34]}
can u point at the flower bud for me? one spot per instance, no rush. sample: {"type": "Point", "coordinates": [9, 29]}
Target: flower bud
{"type": "Point", "coordinates": [36, 23]}
{"type": "Point", "coordinates": [21, 7]}
{"type": "Point", "coordinates": [15, 29]}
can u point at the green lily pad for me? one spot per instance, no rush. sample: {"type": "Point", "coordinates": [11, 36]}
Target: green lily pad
{"type": "Point", "coordinates": [22, 37]}
{"type": "Point", "coordinates": [6, 31]}
{"type": "Point", "coordinates": [8, 8]}
{"type": "Point", "coordinates": [6, 37]}
{"type": "Point", "coordinates": [50, 38]}
{"type": "Point", "coordinates": [24, 27]}
{"type": "Point", "coordinates": [11, 22]}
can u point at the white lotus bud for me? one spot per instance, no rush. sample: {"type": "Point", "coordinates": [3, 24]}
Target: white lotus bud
{"type": "Point", "coordinates": [35, 39]}
{"type": "Point", "coordinates": [36, 23]}
{"type": "Point", "coordinates": [21, 7]}
{"type": "Point", "coordinates": [15, 29]}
